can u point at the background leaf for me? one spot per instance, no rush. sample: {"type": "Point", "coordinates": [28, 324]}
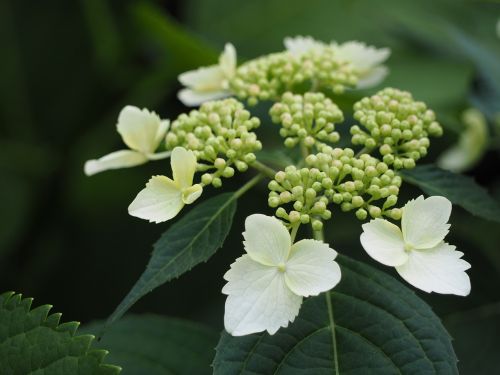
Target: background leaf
{"type": "Point", "coordinates": [188, 242]}
{"type": "Point", "coordinates": [33, 342]}
{"type": "Point", "coordinates": [381, 328]}
{"type": "Point", "coordinates": [156, 345]}
{"type": "Point", "coordinates": [459, 189]}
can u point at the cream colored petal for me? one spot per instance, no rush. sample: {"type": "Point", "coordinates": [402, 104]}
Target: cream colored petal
{"type": "Point", "coordinates": [183, 164]}
{"type": "Point", "coordinates": [266, 239]}
{"type": "Point", "coordinates": [362, 56]}
{"type": "Point", "coordinates": [160, 201]}
{"type": "Point", "coordinates": [383, 241]}
{"type": "Point", "coordinates": [258, 299]}
{"type": "Point", "coordinates": [192, 193]}
{"type": "Point", "coordinates": [115, 160]}
{"type": "Point", "coordinates": [311, 269]}
{"type": "Point", "coordinates": [192, 98]}
{"type": "Point", "coordinates": [372, 77]}
{"type": "Point", "coordinates": [227, 61]}
{"type": "Point", "coordinates": [139, 129]}
{"type": "Point", "coordinates": [439, 270]}
{"type": "Point", "coordinates": [425, 221]}
{"type": "Point", "coordinates": [299, 45]}
{"type": "Point", "coordinates": [203, 79]}
{"type": "Point", "coordinates": [162, 131]}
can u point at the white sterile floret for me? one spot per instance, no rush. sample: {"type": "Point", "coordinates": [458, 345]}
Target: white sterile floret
{"type": "Point", "coordinates": [417, 250]}
{"type": "Point", "coordinates": [265, 287]}
{"type": "Point", "coordinates": [163, 198]}
{"type": "Point", "coordinates": [211, 82]}
{"type": "Point", "coordinates": [299, 45]}
{"type": "Point", "coordinates": [366, 60]}
{"type": "Point", "coordinates": [142, 131]}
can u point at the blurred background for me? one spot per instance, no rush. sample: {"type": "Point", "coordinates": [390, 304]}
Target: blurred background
{"type": "Point", "coordinates": [68, 67]}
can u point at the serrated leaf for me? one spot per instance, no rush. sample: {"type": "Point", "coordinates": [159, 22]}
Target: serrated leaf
{"type": "Point", "coordinates": [32, 342]}
{"type": "Point", "coordinates": [188, 242]}
{"type": "Point", "coordinates": [156, 345]}
{"type": "Point", "coordinates": [369, 324]}
{"type": "Point", "coordinates": [459, 189]}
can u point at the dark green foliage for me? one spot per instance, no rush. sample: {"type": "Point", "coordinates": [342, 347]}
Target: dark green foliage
{"type": "Point", "coordinates": [156, 345]}
{"type": "Point", "coordinates": [34, 342]}
{"type": "Point", "coordinates": [188, 242]}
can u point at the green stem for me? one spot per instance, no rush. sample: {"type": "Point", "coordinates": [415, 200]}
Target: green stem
{"type": "Point", "coordinates": [264, 169]}
{"type": "Point", "coordinates": [250, 184]}
{"type": "Point", "coordinates": [364, 150]}
{"type": "Point", "coordinates": [295, 228]}
{"type": "Point", "coordinates": [319, 235]}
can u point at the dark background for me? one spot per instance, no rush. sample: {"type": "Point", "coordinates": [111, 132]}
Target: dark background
{"type": "Point", "coordinates": [68, 67]}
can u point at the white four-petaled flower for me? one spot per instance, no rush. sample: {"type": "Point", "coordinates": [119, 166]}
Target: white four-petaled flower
{"type": "Point", "coordinates": [265, 287]}
{"type": "Point", "coordinates": [142, 131]}
{"type": "Point", "coordinates": [163, 198]}
{"type": "Point", "coordinates": [211, 82]}
{"type": "Point", "coordinates": [418, 251]}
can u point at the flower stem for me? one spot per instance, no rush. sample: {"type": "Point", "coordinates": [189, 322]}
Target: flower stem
{"type": "Point", "coordinates": [295, 228]}
{"type": "Point", "coordinates": [250, 184]}
{"type": "Point", "coordinates": [362, 151]}
{"type": "Point", "coordinates": [264, 169]}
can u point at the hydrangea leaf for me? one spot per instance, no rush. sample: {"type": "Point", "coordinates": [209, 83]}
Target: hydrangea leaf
{"type": "Point", "coordinates": [190, 241]}
{"type": "Point", "coordinates": [34, 342]}
{"type": "Point", "coordinates": [369, 324]}
{"type": "Point", "coordinates": [459, 189]}
{"type": "Point", "coordinates": [156, 345]}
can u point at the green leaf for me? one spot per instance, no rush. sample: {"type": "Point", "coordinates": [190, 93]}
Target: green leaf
{"type": "Point", "coordinates": [459, 189]}
{"type": "Point", "coordinates": [369, 324]}
{"type": "Point", "coordinates": [33, 342]}
{"type": "Point", "coordinates": [156, 345]}
{"type": "Point", "coordinates": [188, 242]}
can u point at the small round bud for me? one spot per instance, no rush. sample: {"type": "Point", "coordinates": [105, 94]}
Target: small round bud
{"type": "Point", "coordinates": [361, 214]}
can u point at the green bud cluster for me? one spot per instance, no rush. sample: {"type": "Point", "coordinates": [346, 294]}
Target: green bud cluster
{"type": "Point", "coordinates": [268, 77]}
{"type": "Point", "coordinates": [220, 135]}
{"type": "Point", "coordinates": [308, 118]}
{"type": "Point", "coordinates": [397, 125]}
{"type": "Point", "coordinates": [336, 176]}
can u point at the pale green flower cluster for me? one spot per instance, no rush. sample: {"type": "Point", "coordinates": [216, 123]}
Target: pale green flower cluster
{"type": "Point", "coordinates": [308, 118]}
{"type": "Point", "coordinates": [220, 136]}
{"type": "Point", "coordinates": [336, 176]}
{"type": "Point", "coordinates": [268, 77]}
{"type": "Point", "coordinates": [397, 125]}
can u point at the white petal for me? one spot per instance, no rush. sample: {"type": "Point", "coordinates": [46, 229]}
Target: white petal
{"type": "Point", "coordinates": [266, 240]}
{"type": "Point", "coordinates": [362, 56]}
{"type": "Point", "coordinates": [311, 268]}
{"type": "Point", "coordinates": [192, 98]}
{"type": "Point", "coordinates": [115, 160]}
{"type": "Point", "coordinates": [160, 201]}
{"type": "Point", "coordinates": [141, 130]}
{"type": "Point", "coordinates": [183, 164]}
{"type": "Point", "coordinates": [383, 241]}
{"type": "Point", "coordinates": [299, 45]}
{"type": "Point", "coordinates": [372, 78]}
{"type": "Point", "coordinates": [203, 79]}
{"type": "Point", "coordinates": [439, 270]}
{"type": "Point", "coordinates": [192, 193]}
{"type": "Point", "coordinates": [227, 61]}
{"type": "Point", "coordinates": [425, 221]}
{"type": "Point", "coordinates": [162, 131]}
{"type": "Point", "coordinates": [258, 299]}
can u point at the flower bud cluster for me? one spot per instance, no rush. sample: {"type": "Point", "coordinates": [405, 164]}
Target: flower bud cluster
{"type": "Point", "coordinates": [268, 77]}
{"type": "Point", "coordinates": [308, 118]}
{"type": "Point", "coordinates": [397, 125]}
{"type": "Point", "coordinates": [221, 137]}
{"type": "Point", "coordinates": [336, 176]}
